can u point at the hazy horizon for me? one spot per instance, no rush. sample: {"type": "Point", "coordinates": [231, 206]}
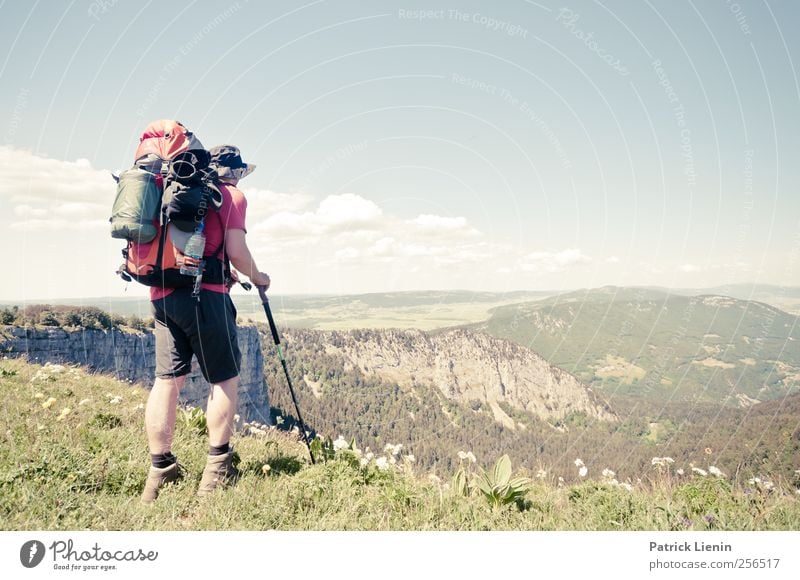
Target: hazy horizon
{"type": "Point", "coordinates": [241, 293]}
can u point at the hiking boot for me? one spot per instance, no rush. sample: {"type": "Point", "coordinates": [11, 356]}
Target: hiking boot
{"type": "Point", "coordinates": [157, 478]}
{"type": "Point", "coordinates": [219, 471]}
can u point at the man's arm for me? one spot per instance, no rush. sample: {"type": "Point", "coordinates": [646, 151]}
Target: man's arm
{"type": "Point", "coordinates": [242, 259]}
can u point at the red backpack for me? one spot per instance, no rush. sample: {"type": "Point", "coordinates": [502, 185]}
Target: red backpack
{"type": "Point", "coordinates": [168, 187]}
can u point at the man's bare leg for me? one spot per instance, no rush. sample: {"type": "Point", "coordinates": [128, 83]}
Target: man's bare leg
{"type": "Point", "coordinates": [160, 413]}
{"type": "Point", "coordinates": [222, 402]}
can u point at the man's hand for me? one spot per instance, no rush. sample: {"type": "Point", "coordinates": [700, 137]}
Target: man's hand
{"type": "Point", "coordinates": [233, 280]}
{"type": "Point", "coordinates": [261, 280]}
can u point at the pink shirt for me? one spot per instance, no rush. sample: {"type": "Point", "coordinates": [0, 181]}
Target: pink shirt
{"type": "Point", "coordinates": [231, 216]}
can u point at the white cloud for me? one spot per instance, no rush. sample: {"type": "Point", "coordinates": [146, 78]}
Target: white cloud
{"type": "Point", "coordinates": [348, 232]}
{"type": "Point", "coordinates": [438, 226]}
{"type": "Point", "coordinates": [262, 203]}
{"type": "Point", "coordinates": [690, 268]}
{"type": "Point", "coordinates": [49, 193]}
{"type": "Point", "coordinates": [343, 242]}
{"type": "Point", "coordinates": [336, 213]}
{"type": "Point", "coordinates": [612, 260]}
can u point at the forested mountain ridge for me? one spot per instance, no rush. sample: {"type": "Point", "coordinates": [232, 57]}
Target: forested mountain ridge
{"type": "Point", "coordinates": [339, 397]}
{"type": "Point", "coordinates": [465, 366]}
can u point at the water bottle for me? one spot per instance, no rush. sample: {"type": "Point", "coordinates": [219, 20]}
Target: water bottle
{"type": "Point", "coordinates": [193, 253]}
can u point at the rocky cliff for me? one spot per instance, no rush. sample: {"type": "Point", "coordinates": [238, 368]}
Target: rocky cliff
{"type": "Point", "coordinates": [131, 356]}
{"type": "Point", "coordinates": [466, 366]}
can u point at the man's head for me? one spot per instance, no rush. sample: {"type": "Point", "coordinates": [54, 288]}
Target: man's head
{"type": "Point", "coordinates": [226, 160]}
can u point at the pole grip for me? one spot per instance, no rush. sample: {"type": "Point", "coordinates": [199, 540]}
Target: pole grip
{"type": "Point", "coordinates": [270, 319]}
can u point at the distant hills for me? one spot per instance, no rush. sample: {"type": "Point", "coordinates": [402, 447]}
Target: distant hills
{"type": "Point", "coordinates": [417, 309]}
{"type": "Point", "coordinates": [648, 343]}
{"type": "Point", "coordinates": [728, 345]}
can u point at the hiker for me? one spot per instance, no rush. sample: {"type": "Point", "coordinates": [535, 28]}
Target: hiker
{"type": "Point", "coordinates": [206, 328]}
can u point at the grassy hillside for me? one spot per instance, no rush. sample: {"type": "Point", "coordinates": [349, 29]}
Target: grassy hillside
{"type": "Point", "coordinates": [784, 297]}
{"type": "Point", "coordinates": [74, 457]}
{"type": "Point", "coordinates": [662, 347]}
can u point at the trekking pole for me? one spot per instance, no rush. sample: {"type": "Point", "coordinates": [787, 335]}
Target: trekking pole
{"type": "Point", "coordinates": [274, 329]}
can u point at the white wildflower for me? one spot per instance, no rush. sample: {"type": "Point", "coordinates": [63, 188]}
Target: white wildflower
{"type": "Point", "coordinates": [754, 481]}
{"type": "Point", "coordinates": [139, 407]}
{"type": "Point", "coordinates": [393, 450]}
{"type": "Point", "coordinates": [363, 461]}
{"type": "Point", "coordinates": [699, 471]}
{"type": "Point", "coordinates": [471, 457]}
{"type": "Point", "coordinates": [84, 402]}
{"type": "Point", "coordinates": [583, 471]}
{"type": "Point", "coordinates": [369, 455]}
{"type": "Point", "coordinates": [49, 403]}
{"type": "Point", "coordinates": [382, 463]}
{"type": "Point", "coordinates": [265, 469]}
{"type": "Point", "coordinates": [116, 400]}
{"type": "Point", "coordinates": [340, 444]}
{"type": "Point", "coordinates": [608, 474]}
{"type": "Point", "coordinates": [797, 471]}
{"type": "Point", "coordinates": [236, 418]}
{"type": "Point", "coordinates": [627, 486]}
{"type": "Point", "coordinates": [55, 369]}
{"type": "Point", "coordinates": [39, 396]}
{"type": "Point", "coordinates": [462, 455]}
{"type": "Point", "coordinates": [409, 458]}
{"type": "Point", "coordinates": [63, 414]}
{"type": "Point", "coordinates": [658, 461]}
{"type": "Point", "coordinates": [679, 471]}
{"type": "Point", "coordinates": [715, 471]}
{"type": "Point", "coordinates": [578, 463]}
{"type": "Point", "coordinates": [392, 459]}
{"type": "Point", "coordinates": [769, 486]}
{"type": "Point", "coordinates": [541, 474]}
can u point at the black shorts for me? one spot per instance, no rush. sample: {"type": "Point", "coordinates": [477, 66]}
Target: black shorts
{"type": "Point", "coordinates": [206, 329]}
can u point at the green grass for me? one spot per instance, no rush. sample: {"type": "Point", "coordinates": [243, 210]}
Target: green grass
{"type": "Point", "coordinates": [86, 471]}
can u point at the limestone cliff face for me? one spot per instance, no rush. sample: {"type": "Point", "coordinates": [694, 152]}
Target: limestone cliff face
{"type": "Point", "coordinates": [467, 365]}
{"type": "Point", "coordinates": [131, 356]}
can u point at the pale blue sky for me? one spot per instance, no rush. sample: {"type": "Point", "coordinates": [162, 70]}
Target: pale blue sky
{"type": "Point", "coordinates": [477, 145]}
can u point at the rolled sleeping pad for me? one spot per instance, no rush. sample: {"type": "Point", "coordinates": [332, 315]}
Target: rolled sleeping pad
{"type": "Point", "coordinates": [136, 206]}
